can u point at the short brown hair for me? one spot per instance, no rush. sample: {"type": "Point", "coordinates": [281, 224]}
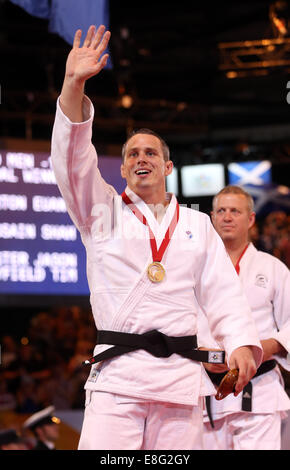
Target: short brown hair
{"type": "Point", "coordinates": [165, 148]}
{"type": "Point", "coordinates": [231, 189]}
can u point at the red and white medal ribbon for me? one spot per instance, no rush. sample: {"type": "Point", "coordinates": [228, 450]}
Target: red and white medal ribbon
{"type": "Point", "coordinates": [155, 270]}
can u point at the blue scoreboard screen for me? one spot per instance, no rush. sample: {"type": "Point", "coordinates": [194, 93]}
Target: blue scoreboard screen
{"type": "Point", "coordinates": [41, 252]}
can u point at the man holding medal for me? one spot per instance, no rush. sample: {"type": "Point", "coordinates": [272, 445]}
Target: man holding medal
{"type": "Point", "coordinates": [151, 266]}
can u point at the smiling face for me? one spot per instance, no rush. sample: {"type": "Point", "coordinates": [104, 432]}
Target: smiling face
{"type": "Point", "coordinates": [232, 217]}
{"type": "Point", "coordinates": [144, 167]}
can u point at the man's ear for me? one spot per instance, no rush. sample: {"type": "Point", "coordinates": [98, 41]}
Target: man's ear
{"type": "Point", "coordinates": [122, 170]}
{"type": "Point", "coordinates": [168, 167]}
{"type": "Point", "coordinates": [212, 217]}
{"type": "Point", "coordinates": [252, 219]}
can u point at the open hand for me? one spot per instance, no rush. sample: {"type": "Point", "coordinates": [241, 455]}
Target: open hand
{"type": "Point", "coordinates": [86, 61]}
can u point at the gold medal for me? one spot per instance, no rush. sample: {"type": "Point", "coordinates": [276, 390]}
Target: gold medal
{"type": "Point", "coordinates": [156, 272]}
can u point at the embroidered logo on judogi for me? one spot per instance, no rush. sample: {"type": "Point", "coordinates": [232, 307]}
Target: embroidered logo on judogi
{"type": "Point", "coordinates": [261, 281]}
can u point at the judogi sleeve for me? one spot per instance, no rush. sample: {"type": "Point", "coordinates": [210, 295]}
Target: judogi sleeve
{"type": "Point", "coordinates": [75, 164]}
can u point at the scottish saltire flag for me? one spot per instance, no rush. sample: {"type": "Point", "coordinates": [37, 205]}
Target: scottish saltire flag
{"type": "Point", "coordinates": [66, 16]}
{"type": "Point", "coordinates": [256, 173]}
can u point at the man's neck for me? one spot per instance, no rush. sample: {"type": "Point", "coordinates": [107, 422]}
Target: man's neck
{"type": "Point", "coordinates": [235, 249]}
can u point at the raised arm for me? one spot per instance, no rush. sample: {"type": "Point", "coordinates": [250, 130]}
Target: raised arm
{"type": "Point", "coordinates": [82, 63]}
{"type": "Point", "coordinates": [74, 158]}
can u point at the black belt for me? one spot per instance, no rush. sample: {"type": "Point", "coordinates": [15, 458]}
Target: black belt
{"type": "Point", "coordinates": [247, 391]}
{"type": "Point", "coordinates": [154, 342]}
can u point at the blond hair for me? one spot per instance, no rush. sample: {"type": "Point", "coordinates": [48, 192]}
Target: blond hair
{"type": "Point", "coordinates": [231, 189]}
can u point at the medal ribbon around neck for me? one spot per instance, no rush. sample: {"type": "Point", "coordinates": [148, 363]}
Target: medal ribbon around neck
{"type": "Point", "coordinates": [155, 271]}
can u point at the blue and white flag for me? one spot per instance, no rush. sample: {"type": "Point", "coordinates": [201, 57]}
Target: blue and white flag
{"type": "Point", "coordinates": [256, 173]}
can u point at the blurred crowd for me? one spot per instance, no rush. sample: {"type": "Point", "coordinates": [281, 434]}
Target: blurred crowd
{"type": "Point", "coordinates": [272, 235]}
{"type": "Point", "coordinates": [43, 367]}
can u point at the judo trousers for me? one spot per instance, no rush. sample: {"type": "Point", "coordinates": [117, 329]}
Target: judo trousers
{"type": "Point", "coordinates": [244, 431]}
{"type": "Point", "coordinates": [118, 422]}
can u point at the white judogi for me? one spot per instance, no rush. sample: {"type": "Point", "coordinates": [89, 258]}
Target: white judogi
{"type": "Point", "coordinates": [122, 296]}
{"type": "Point", "coordinates": [266, 283]}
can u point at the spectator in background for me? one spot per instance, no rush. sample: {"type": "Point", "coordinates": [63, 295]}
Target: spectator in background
{"type": "Point", "coordinates": [58, 388]}
{"type": "Point", "coordinates": [10, 440]}
{"type": "Point", "coordinates": [27, 395]}
{"type": "Point", "coordinates": [9, 351]}
{"type": "Point", "coordinates": [274, 236]}
{"type": "Point", "coordinates": [65, 333]}
{"type": "Point", "coordinates": [7, 399]}
{"type": "Point", "coordinates": [83, 350]}
{"type": "Point", "coordinates": [45, 427]}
